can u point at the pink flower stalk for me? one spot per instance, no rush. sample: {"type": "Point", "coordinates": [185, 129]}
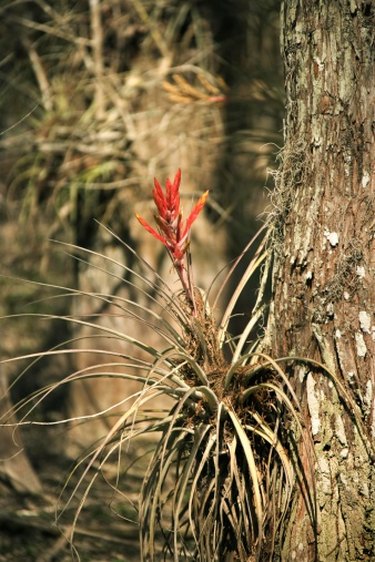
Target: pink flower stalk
{"type": "Point", "coordinates": [173, 231]}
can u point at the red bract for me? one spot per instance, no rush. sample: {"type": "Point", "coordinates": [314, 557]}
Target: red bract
{"type": "Point", "coordinates": [173, 230]}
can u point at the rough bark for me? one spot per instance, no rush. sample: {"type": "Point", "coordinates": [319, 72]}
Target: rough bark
{"type": "Point", "coordinates": [323, 295]}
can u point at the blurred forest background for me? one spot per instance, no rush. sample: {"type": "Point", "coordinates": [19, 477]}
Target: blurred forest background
{"type": "Point", "coordinates": [97, 98]}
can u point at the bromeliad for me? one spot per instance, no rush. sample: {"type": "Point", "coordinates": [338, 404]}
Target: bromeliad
{"type": "Point", "coordinates": [173, 231]}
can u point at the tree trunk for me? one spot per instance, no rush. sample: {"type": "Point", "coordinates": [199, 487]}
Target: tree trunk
{"type": "Point", "coordinates": [15, 466]}
{"type": "Point", "coordinates": [323, 286]}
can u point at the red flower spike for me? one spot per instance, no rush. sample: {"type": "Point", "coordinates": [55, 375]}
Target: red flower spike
{"type": "Point", "coordinates": [173, 231]}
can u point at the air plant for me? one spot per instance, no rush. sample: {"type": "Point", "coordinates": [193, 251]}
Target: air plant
{"type": "Point", "coordinates": [222, 444]}
{"type": "Point", "coordinates": [224, 467]}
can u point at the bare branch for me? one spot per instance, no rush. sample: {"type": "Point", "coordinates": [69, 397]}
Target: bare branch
{"type": "Point", "coordinates": [40, 75]}
{"type": "Point", "coordinates": [97, 47]}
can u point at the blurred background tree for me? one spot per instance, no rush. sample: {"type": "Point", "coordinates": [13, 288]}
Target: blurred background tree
{"type": "Point", "coordinates": [98, 97]}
